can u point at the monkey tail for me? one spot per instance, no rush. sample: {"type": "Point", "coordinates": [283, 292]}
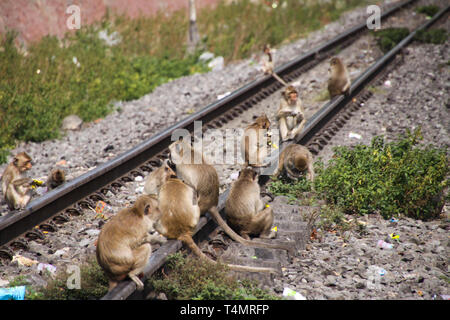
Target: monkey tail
{"type": "Point", "coordinates": [279, 79]}
{"type": "Point", "coordinates": [233, 235]}
{"type": "Point", "coordinates": [187, 239]}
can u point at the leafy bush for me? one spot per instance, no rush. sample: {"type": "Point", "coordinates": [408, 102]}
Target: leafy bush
{"type": "Point", "coordinates": [397, 178]}
{"type": "Point", "coordinates": [430, 10]}
{"type": "Point", "coordinates": [435, 36]}
{"type": "Point", "coordinates": [193, 279]}
{"type": "Point", "coordinates": [388, 38]}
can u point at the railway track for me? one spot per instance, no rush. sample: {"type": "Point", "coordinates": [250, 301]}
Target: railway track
{"type": "Point", "coordinates": [56, 206]}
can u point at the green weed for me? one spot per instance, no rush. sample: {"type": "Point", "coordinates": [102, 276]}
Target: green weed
{"type": "Point", "coordinates": [193, 279]}
{"type": "Point", "coordinates": [394, 179]}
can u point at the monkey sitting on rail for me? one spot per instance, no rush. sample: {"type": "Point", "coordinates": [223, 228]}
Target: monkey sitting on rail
{"type": "Point", "coordinates": [124, 243]}
{"type": "Point", "coordinates": [246, 213]}
{"type": "Point", "coordinates": [290, 115]}
{"type": "Point", "coordinates": [339, 82]}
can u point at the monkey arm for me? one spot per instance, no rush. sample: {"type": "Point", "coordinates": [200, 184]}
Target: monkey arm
{"type": "Point", "coordinates": [26, 182]}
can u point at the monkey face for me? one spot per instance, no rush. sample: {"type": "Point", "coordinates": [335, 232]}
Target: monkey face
{"type": "Point", "coordinates": [263, 122]}
{"type": "Point", "coordinates": [23, 163]}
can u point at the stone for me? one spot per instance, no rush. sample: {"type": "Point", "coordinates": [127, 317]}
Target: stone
{"type": "Point", "coordinates": [72, 122]}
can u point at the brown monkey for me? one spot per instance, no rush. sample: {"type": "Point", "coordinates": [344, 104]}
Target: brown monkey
{"type": "Point", "coordinates": [18, 193]}
{"type": "Point", "coordinates": [14, 170]}
{"type": "Point", "coordinates": [124, 244]}
{"type": "Point", "coordinates": [267, 64]}
{"type": "Point", "coordinates": [156, 178]}
{"type": "Point", "coordinates": [246, 213]}
{"type": "Point", "coordinates": [180, 213]}
{"type": "Point", "coordinates": [253, 142]}
{"type": "Point", "coordinates": [339, 81]}
{"type": "Point", "coordinates": [204, 179]}
{"type": "Point", "coordinates": [290, 115]}
{"type": "Point", "coordinates": [56, 178]}
{"type": "Point", "coordinates": [266, 60]}
{"type": "Point", "coordinates": [296, 159]}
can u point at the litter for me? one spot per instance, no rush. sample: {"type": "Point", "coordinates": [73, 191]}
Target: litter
{"type": "Point", "coordinates": [354, 135]}
{"type": "Point", "coordinates": [100, 207]}
{"type": "Point", "coordinates": [13, 293]}
{"type": "Point", "coordinates": [393, 220]}
{"type": "Point", "coordinates": [387, 83]}
{"type": "Point", "coordinates": [384, 245]}
{"type": "Point", "coordinates": [46, 266]}
{"type": "Point", "coordinates": [24, 261]}
{"type": "Point", "coordinates": [274, 229]}
{"type": "Point", "coordinates": [292, 295]}
{"type": "Point", "coordinates": [221, 96]}
{"type": "Point", "coordinates": [394, 236]}
{"type": "Point", "coordinates": [234, 175]}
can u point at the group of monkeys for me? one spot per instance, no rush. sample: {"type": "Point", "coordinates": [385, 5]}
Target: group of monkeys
{"type": "Point", "coordinates": [177, 193]}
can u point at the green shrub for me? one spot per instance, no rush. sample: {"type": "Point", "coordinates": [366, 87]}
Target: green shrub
{"type": "Point", "coordinates": [388, 38]}
{"type": "Point", "coordinates": [193, 279]}
{"type": "Point", "coordinates": [435, 36]}
{"type": "Point", "coordinates": [397, 178]}
{"type": "Point", "coordinates": [291, 189]}
{"type": "Point", "coordinates": [430, 10]}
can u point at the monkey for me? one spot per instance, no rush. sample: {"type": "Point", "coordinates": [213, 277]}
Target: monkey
{"type": "Point", "coordinates": [180, 213]}
{"type": "Point", "coordinates": [339, 82]}
{"type": "Point", "coordinates": [245, 210]}
{"type": "Point", "coordinates": [266, 60]}
{"type": "Point", "coordinates": [157, 178]}
{"type": "Point", "coordinates": [124, 243]}
{"type": "Point", "coordinates": [18, 193]}
{"type": "Point", "coordinates": [253, 144]}
{"type": "Point", "coordinates": [56, 178]}
{"type": "Point", "coordinates": [20, 163]}
{"type": "Point", "coordinates": [295, 159]}
{"type": "Point", "coordinates": [290, 114]}
{"type": "Point", "coordinates": [267, 64]}
{"type": "Point", "coordinates": [204, 179]}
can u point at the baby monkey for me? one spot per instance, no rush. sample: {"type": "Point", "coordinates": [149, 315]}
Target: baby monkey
{"type": "Point", "coordinates": [56, 178]}
{"type": "Point", "coordinates": [295, 159]}
{"type": "Point", "coordinates": [124, 243]}
{"type": "Point", "coordinates": [339, 82]}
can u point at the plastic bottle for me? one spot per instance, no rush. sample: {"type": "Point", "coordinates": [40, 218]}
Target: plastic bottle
{"type": "Point", "coordinates": [384, 245]}
{"type": "Point", "coordinates": [13, 293]}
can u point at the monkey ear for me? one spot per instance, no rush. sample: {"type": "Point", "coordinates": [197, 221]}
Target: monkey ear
{"type": "Point", "coordinates": [147, 209]}
{"type": "Point", "coordinates": [255, 175]}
